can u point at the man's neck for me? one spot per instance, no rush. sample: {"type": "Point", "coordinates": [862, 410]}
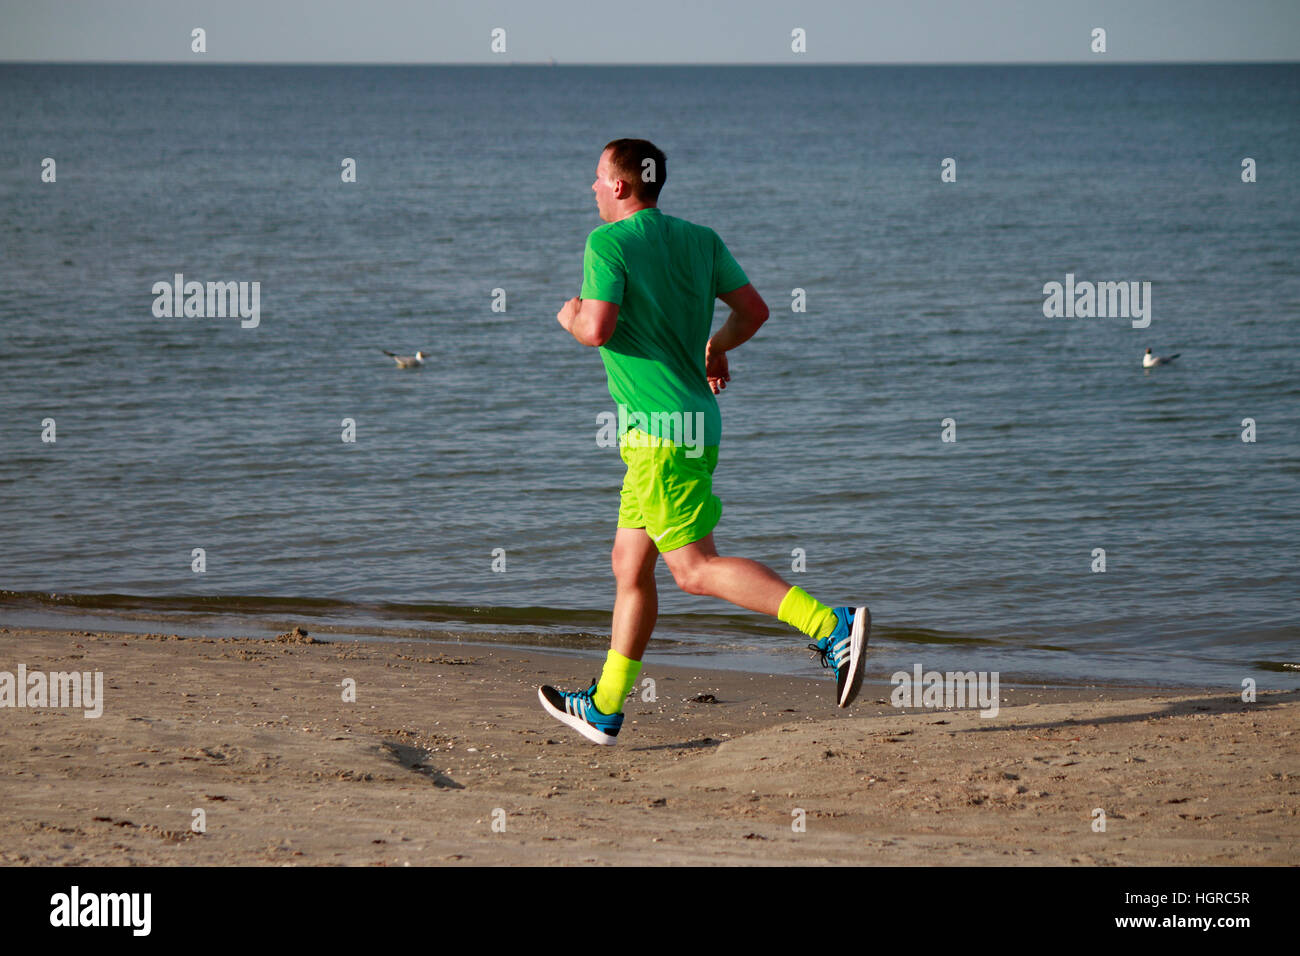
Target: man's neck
{"type": "Point", "coordinates": [632, 211]}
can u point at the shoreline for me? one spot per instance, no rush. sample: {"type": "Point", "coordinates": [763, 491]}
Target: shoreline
{"type": "Point", "coordinates": [695, 654]}
{"type": "Point", "coordinates": [446, 757]}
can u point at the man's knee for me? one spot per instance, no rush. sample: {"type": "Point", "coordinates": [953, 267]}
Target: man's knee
{"type": "Point", "coordinates": [630, 564]}
{"type": "Point", "coordinates": [691, 577]}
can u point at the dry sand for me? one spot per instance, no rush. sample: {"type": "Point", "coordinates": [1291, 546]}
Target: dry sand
{"type": "Point", "coordinates": [444, 741]}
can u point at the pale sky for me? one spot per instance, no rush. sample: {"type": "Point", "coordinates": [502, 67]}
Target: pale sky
{"type": "Point", "coordinates": [683, 31]}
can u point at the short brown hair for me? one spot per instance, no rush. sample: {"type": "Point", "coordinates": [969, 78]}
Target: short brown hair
{"type": "Point", "coordinates": [627, 160]}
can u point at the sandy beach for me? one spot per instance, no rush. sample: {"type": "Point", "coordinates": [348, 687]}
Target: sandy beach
{"type": "Point", "coordinates": [445, 757]}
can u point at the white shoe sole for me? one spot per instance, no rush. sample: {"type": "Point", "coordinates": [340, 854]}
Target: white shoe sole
{"type": "Point", "coordinates": [857, 654]}
{"type": "Point", "coordinates": [581, 726]}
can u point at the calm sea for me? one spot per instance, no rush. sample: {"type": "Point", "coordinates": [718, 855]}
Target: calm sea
{"type": "Point", "coordinates": [924, 302]}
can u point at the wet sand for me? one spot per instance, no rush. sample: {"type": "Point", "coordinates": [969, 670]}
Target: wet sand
{"type": "Point", "coordinates": [446, 757]}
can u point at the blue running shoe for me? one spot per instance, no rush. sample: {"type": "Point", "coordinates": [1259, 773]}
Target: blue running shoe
{"type": "Point", "coordinates": [846, 650]}
{"type": "Point", "coordinates": [579, 711]}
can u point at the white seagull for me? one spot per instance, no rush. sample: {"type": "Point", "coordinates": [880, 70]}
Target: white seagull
{"type": "Point", "coordinates": [406, 361]}
{"type": "Point", "coordinates": [1151, 361]}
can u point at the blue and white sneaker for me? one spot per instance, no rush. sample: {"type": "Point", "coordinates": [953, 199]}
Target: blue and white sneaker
{"type": "Point", "coordinates": [579, 711]}
{"type": "Point", "coordinates": [846, 650]}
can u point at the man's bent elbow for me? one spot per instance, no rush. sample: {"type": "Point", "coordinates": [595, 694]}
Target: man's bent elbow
{"type": "Point", "coordinates": [755, 312]}
{"type": "Point", "coordinates": [599, 336]}
{"type": "Point", "coordinates": [599, 323]}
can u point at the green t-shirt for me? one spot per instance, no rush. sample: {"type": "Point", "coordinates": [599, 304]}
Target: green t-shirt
{"type": "Point", "coordinates": [664, 273]}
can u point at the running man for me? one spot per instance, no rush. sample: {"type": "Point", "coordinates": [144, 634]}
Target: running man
{"type": "Point", "coordinates": [648, 286]}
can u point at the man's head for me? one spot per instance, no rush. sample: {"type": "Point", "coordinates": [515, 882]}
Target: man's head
{"type": "Point", "coordinates": [628, 178]}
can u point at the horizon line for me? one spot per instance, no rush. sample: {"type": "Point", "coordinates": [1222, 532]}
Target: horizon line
{"type": "Point", "coordinates": [683, 63]}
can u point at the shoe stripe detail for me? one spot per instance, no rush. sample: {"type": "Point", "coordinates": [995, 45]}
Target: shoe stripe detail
{"type": "Point", "coordinates": [844, 651]}
{"type": "Point", "coordinates": [579, 712]}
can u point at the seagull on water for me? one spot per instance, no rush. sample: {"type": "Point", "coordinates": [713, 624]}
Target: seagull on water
{"type": "Point", "coordinates": [406, 361]}
{"type": "Point", "coordinates": [1151, 361]}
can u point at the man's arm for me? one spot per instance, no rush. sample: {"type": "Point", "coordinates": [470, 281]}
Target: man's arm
{"type": "Point", "coordinates": [748, 313]}
{"type": "Point", "coordinates": [590, 321]}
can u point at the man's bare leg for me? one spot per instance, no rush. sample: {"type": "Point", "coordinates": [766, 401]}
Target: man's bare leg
{"type": "Point", "coordinates": [699, 569]}
{"type": "Point", "coordinates": [636, 602]}
{"type": "Point", "coordinates": [636, 605]}
{"type": "Point", "coordinates": [841, 633]}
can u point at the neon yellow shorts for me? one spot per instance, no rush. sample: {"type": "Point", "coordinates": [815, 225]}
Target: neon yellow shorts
{"type": "Point", "coordinates": [666, 491]}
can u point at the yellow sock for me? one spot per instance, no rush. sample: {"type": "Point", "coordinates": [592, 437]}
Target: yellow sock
{"type": "Point", "coordinates": [804, 612]}
{"type": "Point", "coordinates": [616, 679]}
